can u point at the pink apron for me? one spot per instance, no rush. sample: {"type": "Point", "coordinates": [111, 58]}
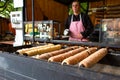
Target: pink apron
{"type": "Point", "coordinates": [76, 28]}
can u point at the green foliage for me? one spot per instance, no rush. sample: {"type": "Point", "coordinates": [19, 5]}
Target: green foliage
{"type": "Point", "coordinates": [84, 7]}
{"type": "Point", "coordinates": [6, 7]}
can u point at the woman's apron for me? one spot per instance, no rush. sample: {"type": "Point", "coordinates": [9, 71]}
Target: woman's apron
{"type": "Point", "coordinates": [76, 27]}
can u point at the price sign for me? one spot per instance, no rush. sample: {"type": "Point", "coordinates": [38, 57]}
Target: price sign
{"type": "Point", "coordinates": [16, 19]}
{"type": "Point", "coordinates": [18, 3]}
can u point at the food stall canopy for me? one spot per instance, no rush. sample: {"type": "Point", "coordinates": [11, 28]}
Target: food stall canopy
{"type": "Point", "coordinates": [67, 2]}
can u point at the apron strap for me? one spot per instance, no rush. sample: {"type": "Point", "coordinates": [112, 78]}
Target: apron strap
{"type": "Point", "coordinates": [72, 18]}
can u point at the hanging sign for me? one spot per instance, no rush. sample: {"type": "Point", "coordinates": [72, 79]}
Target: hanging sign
{"type": "Point", "coordinates": [16, 19]}
{"type": "Point", "coordinates": [18, 3]}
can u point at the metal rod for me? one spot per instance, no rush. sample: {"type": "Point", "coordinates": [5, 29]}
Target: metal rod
{"type": "Point", "coordinates": [33, 20]}
{"type": "Point", "coordinates": [25, 10]}
{"type": "Point", "coordinates": [59, 33]}
{"type": "Point", "coordinates": [24, 17]}
{"type": "Point", "coordinates": [52, 22]}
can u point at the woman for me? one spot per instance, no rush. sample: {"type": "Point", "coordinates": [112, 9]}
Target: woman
{"type": "Point", "coordinates": [78, 24]}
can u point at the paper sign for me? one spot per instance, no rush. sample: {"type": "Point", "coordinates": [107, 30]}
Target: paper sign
{"type": "Point", "coordinates": [18, 3]}
{"type": "Point", "coordinates": [16, 19]}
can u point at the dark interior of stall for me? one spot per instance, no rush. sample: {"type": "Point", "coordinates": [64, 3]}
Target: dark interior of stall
{"type": "Point", "coordinates": [44, 25]}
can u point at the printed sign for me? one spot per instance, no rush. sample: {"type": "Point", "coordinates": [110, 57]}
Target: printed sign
{"type": "Point", "coordinates": [18, 3]}
{"type": "Point", "coordinates": [16, 19]}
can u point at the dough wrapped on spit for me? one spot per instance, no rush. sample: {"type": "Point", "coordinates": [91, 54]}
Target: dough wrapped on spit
{"type": "Point", "coordinates": [42, 50]}
{"type": "Point", "coordinates": [21, 51]}
{"type": "Point", "coordinates": [79, 57]}
{"type": "Point", "coordinates": [61, 57]}
{"type": "Point", "coordinates": [54, 53]}
{"type": "Point", "coordinates": [93, 58]}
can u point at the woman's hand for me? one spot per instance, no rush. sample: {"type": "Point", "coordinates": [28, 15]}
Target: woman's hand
{"type": "Point", "coordinates": [79, 36]}
{"type": "Point", "coordinates": [66, 32]}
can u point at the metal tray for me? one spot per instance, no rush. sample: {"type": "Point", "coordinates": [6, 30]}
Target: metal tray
{"type": "Point", "coordinates": [14, 67]}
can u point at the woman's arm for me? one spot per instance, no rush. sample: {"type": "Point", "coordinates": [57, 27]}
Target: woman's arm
{"type": "Point", "coordinates": [67, 22]}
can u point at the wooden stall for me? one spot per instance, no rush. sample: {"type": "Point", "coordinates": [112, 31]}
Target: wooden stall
{"type": "Point", "coordinates": [5, 29]}
{"type": "Point", "coordinates": [104, 9]}
{"type": "Point", "coordinates": [3, 25]}
{"type": "Point", "coordinates": [47, 10]}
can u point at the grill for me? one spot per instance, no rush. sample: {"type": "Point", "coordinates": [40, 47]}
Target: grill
{"type": "Point", "coordinates": [16, 66]}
